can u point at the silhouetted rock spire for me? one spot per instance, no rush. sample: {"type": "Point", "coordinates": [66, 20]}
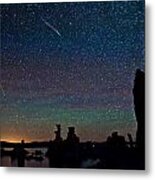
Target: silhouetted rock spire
{"type": "Point", "coordinates": [116, 140]}
{"type": "Point", "coordinates": [139, 106]}
{"type": "Point", "coordinates": [58, 133]}
{"type": "Point", "coordinates": [71, 137]}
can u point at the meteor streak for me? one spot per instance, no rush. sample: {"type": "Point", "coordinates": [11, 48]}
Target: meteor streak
{"type": "Point", "coordinates": [51, 27]}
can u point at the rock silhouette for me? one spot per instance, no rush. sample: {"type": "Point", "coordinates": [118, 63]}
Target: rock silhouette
{"type": "Point", "coordinates": [139, 106]}
{"type": "Point", "coordinates": [115, 153]}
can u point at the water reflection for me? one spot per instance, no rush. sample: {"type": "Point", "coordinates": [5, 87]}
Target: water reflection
{"type": "Point", "coordinates": [9, 161]}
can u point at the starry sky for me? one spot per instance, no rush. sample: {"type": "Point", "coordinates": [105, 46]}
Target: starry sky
{"type": "Point", "coordinates": [69, 63]}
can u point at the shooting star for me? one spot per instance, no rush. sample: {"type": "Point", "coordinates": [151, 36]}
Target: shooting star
{"type": "Point", "coordinates": [51, 27]}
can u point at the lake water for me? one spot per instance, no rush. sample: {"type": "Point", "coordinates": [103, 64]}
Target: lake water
{"type": "Point", "coordinates": [7, 161]}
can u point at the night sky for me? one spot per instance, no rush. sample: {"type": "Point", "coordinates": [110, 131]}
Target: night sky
{"type": "Point", "coordinates": [69, 63]}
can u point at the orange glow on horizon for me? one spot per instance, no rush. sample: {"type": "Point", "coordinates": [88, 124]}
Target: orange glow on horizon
{"type": "Point", "coordinates": [18, 140]}
{"type": "Point", "coordinates": [13, 140]}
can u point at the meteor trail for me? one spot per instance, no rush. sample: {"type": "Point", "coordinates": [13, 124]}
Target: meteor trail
{"type": "Point", "coordinates": [51, 27]}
